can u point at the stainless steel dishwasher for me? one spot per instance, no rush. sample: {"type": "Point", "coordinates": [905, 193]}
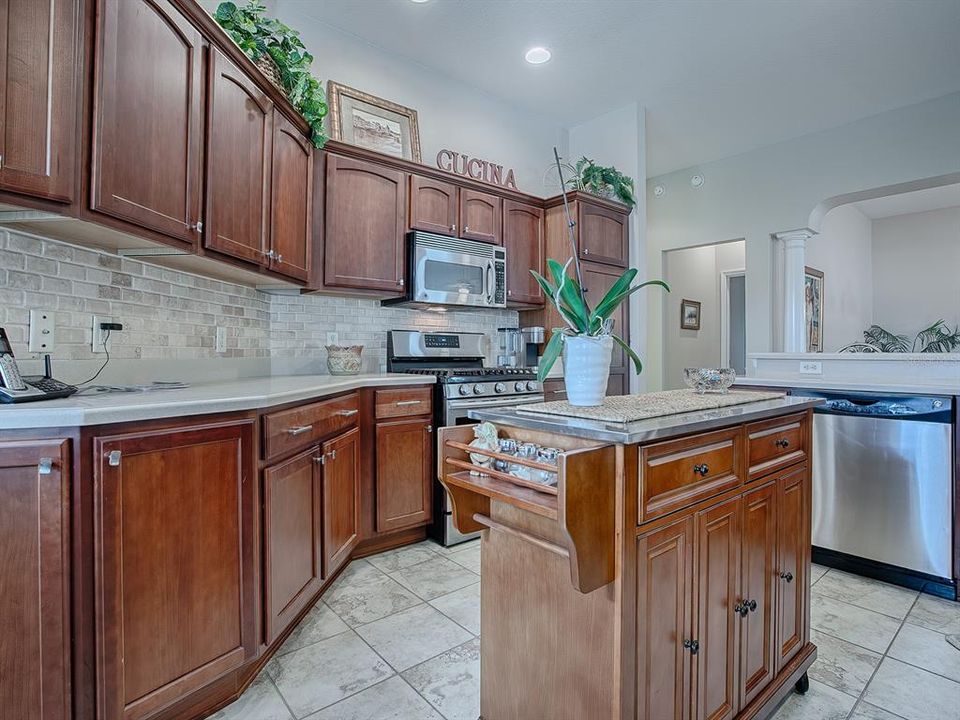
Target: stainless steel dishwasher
{"type": "Point", "coordinates": [882, 476]}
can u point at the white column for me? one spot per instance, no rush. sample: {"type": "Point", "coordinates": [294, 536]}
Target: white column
{"type": "Point", "coordinates": [792, 305]}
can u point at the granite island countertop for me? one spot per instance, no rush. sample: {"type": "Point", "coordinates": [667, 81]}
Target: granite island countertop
{"type": "Point", "coordinates": [251, 393]}
{"type": "Point", "coordinates": [650, 429]}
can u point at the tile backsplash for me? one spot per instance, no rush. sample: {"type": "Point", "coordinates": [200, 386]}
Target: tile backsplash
{"type": "Point", "coordinates": [172, 315]}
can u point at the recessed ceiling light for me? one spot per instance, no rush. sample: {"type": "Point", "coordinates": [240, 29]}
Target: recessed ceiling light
{"type": "Point", "coordinates": [537, 55]}
{"type": "Point", "coordinates": [419, 1]}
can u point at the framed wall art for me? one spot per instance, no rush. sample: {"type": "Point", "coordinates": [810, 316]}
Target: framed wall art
{"type": "Point", "coordinates": [813, 308]}
{"type": "Point", "coordinates": [371, 122]}
{"type": "Point", "coordinates": [689, 314]}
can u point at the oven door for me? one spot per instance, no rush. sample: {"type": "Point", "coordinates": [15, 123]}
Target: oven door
{"type": "Point", "coordinates": [455, 411]}
{"type": "Point", "coordinates": [448, 277]}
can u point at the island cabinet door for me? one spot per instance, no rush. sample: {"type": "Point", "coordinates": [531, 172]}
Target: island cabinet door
{"type": "Point", "coordinates": [292, 538]}
{"type": "Point", "coordinates": [666, 644]}
{"type": "Point", "coordinates": [717, 593]}
{"type": "Point", "coordinates": [174, 563]}
{"type": "Point", "coordinates": [433, 205]}
{"type": "Point", "coordinates": [341, 498]}
{"type": "Point", "coordinates": [793, 562]}
{"type": "Point", "coordinates": [757, 627]}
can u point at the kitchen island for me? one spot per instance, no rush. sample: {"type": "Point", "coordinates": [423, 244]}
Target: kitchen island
{"type": "Point", "coordinates": [665, 576]}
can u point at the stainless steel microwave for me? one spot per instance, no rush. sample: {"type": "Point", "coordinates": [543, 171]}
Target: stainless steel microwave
{"type": "Point", "coordinates": [443, 270]}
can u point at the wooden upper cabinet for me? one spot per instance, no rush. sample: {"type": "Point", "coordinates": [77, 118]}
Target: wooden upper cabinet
{"type": "Point", "coordinates": [603, 233]}
{"type": "Point", "coordinates": [239, 152]}
{"type": "Point", "coordinates": [759, 562]}
{"type": "Point", "coordinates": [480, 216]}
{"type": "Point", "coordinates": [523, 240]}
{"type": "Point", "coordinates": [665, 652]}
{"type": "Point", "coordinates": [404, 477]}
{"type": "Point", "coordinates": [174, 542]}
{"type": "Point", "coordinates": [39, 97]}
{"type": "Point", "coordinates": [718, 575]}
{"type": "Point", "coordinates": [148, 118]}
{"type": "Point", "coordinates": [34, 557]}
{"type": "Point", "coordinates": [291, 225]}
{"type": "Point", "coordinates": [433, 205]}
{"type": "Point", "coordinates": [292, 539]}
{"type": "Point", "coordinates": [597, 281]}
{"type": "Point", "coordinates": [365, 226]}
{"type": "Point", "coordinates": [793, 559]}
{"type": "Point", "coordinates": [341, 498]}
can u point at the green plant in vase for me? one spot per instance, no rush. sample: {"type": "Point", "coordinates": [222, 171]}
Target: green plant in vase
{"type": "Point", "coordinates": [602, 181]}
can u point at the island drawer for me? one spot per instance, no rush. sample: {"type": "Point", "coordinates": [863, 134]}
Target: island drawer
{"type": "Point", "coordinates": [288, 430]}
{"type": "Point", "coordinates": [677, 473]}
{"type": "Point", "coordinates": [774, 444]}
{"type": "Point", "coordinates": [402, 402]}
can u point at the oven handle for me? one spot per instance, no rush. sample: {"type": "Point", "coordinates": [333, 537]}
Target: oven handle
{"type": "Point", "coordinates": [491, 275]}
{"type": "Point", "coordinates": [495, 402]}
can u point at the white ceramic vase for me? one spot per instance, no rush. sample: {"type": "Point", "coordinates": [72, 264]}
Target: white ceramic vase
{"type": "Point", "coordinates": [586, 366]}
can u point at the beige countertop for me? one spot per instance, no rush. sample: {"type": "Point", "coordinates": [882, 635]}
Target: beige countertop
{"type": "Point", "coordinates": [251, 393]}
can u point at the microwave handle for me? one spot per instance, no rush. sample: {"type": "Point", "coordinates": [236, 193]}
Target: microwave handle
{"type": "Point", "coordinates": [491, 280]}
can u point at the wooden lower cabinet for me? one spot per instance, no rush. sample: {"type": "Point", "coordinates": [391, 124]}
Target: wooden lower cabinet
{"type": "Point", "coordinates": [341, 498]}
{"type": "Point", "coordinates": [404, 473]}
{"type": "Point", "coordinates": [292, 538]}
{"type": "Point", "coordinates": [793, 559]}
{"type": "Point", "coordinates": [34, 580]}
{"type": "Point", "coordinates": [175, 579]}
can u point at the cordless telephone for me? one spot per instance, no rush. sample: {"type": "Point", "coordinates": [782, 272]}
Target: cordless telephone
{"type": "Point", "coordinates": [15, 389]}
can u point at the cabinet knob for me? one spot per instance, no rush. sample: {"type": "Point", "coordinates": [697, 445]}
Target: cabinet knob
{"type": "Point", "coordinates": [466, 228]}
{"type": "Point", "coordinates": [429, 428]}
{"type": "Point", "coordinates": [788, 576]}
{"type": "Point", "coordinates": [782, 444]}
{"type": "Point", "coordinates": [701, 469]}
{"type": "Point", "coordinates": [280, 258]}
{"type": "Point", "coordinates": [45, 466]}
{"type": "Point", "coordinates": [692, 645]}
{"type": "Point", "coordinates": [400, 282]}
{"type": "Point", "coordinates": [113, 458]}
{"type": "Point", "coordinates": [453, 228]}
{"type": "Point", "coordinates": [752, 606]}
{"type": "Point", "coordinates": [586, 251]}
{"type": "Point", "coordinates": [742, 608]}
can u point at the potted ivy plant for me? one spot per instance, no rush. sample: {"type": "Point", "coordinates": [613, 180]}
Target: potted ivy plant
{"type": "Point", "coordinates": [605, 182]}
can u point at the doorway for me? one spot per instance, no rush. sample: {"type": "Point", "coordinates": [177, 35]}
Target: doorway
{"type": "Point", "coordinates": [733, 320]}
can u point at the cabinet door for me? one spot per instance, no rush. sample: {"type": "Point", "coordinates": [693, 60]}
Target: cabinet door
{"type": "Point", "coordinates": [523, 239]}
{"type": "Point", "coordinates": [341, 498]}
{"type": "Point", "coordinates": [604, 234]}
{"type": "Point", "coordinates": [793, 562]}
{"type": "Point", "coordinates": [366, 221]}
{"type": "Point", "coordinates": [718, 578]}
{"type": "Point", "coordinates": [38, 97]}
{"type": "Point", "coordinates": [759, 548]}
{"type": "Point", "coordinates": [35, 597]}
{"type": "Point", "coordinates": [291, 208]}
{"type": "Point", "coordinates": [239, 145]}
{"type": "Point", "coordinates": [148, 124]}
{"type": "Point", "coordinates": [292, 538]}
{"type": "Point", "coordinates": [174, 563]}
{"type": "Point", "coordinates": [554, 389]}
{"type": "Point", "coordinates": [664, 631]}
{"type": "Point", "coordinates": [433, 205]}
{"type": "Point", "coordinates": [404, 474]}
{"type": "Point", "coordinates": [480, 216]}
{"type": "Point", "coordinates": [597, 280]}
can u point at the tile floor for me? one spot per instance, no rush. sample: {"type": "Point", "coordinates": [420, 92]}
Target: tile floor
{"type": "Point", "coordinates": [397, 638]}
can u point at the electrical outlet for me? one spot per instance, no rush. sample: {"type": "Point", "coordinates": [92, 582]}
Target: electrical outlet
{"type": "Point", "coordinates": [333, 338]}
{"type": "Point", "coordinates": [221, 341]}
{"type": "Point", "coordinates": [43, 335]}
{"type": "Point", "coordinates": [811, 367]}
{"type": "Point", "coordinates": [99, 336]}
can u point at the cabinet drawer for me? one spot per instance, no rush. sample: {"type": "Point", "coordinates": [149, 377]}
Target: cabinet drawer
{"type": "Point", "coordinates": [289, 430]}
{"type": "Point", "coordinates": [677, 473]}
{"type": "Point", "coordinates": [554, 389]}
{"type": "Point", "coordinates": [775, 444]}
{"type": "Point", "coordinates": [403, 402]}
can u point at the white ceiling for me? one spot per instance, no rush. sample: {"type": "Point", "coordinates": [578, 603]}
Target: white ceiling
{"type": "Point", "coordinates": [718, 77]}
{"type": "Point", "coordinates": [918, 201]}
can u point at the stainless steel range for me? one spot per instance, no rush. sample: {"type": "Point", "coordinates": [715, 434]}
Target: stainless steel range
{"type": "Point", "coordinates": [463, 384]}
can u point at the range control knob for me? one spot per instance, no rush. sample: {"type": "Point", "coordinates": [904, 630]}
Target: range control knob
{"type": "Point", "coordinates": [519, 387]}
{"type": "Point", "coordinates": [479, 389]}
{"type": "Point", "coordinates": [499, 387]}
{"type": "Point", "coordinates": [464, 389]}
{"type": "Point", "coordinates": [531, 386]}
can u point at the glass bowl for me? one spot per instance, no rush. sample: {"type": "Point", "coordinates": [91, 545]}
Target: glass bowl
{"type": "Point", "coordinates": [712, 380]}
{"type": "Point", "coordinates": [344, 360]}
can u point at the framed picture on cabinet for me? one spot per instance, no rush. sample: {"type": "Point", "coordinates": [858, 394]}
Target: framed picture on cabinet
{"type": "Point", "coordinates": [371, 122]}
{"type": "Point", "coordinates": [689, 314]}
{"type": "Point", "coordinates": [813, 308]}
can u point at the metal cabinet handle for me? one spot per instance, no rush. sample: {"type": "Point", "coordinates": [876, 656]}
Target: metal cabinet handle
{"type": "Point", "coordinates": [198, 226]}
{"type": "Point", "coordinates": [782, 444]}
{"type": "Point", "coordinates": [333, 454]}
{"type": "Point", "coordinates": [453, 228]}
{"type": "Point", "coordinates": [269, 254]}
{"type": "Point", "coordinates": [400, 282]}
{"type": "Point", "coordinates": [701, 469]}
{"type": "Point", "coordinates": [586, 251]}
{"type": "Point", "coordinates": [692, 645]}
{"type": "Point", "coordinates": [294, 431]}
{"type": "Point", "coordinates": [466, 228]}
{"type": "Point", "coordinates": [45, 466]}
{"type": "Point", "coordinates": [429, 428]}
{"type": "Point", "coordinates": [319, 459]}
{"type": "Point", "coordinates": [408, 402]}
{"type": "Point", "coordinates": [788, 576]}
{"type": "Point", "coordinates": [113, 458]}
{"type": "Point", "coordinates": [280, 258]}
{"type": "Point", "coordinates": [348, 413]}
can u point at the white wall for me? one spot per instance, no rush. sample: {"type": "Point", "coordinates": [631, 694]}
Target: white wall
{"type": "Point", "coordinates": [916, 270]}
{"type": "Point", "coordinates": [843, 252]}
{"type": "Point", "coordinates": [774, 189]}
{"type": "Point", "coordinates": [450, 114]}
{"type": "Point", "coordinates": [695, 274]}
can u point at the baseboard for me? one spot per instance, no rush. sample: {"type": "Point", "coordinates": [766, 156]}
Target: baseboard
{"type": "Point", "coordinates": [930, 584]}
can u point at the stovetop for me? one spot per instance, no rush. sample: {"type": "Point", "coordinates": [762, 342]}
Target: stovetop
{"type": "Point", "coordinates": [459, 375]}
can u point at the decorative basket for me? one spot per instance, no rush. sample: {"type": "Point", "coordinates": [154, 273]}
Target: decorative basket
{"type": "Point", "coordinates": [268, 67]}
{"type": "Point", "coordinates": [344, 360]}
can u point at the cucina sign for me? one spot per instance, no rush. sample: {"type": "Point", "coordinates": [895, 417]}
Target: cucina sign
{"type": "Point", "coordinates": [475, 168]}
